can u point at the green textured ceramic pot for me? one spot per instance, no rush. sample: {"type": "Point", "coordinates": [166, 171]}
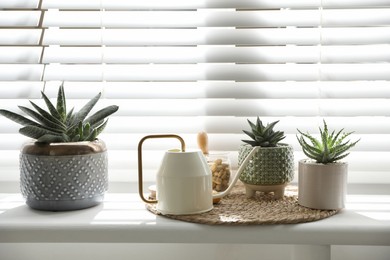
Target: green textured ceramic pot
{"type": "Point", "coordinates": [270, 169]}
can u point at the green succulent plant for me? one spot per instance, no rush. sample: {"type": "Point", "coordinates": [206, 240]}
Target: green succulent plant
{"type": "Point", "coordinates": [263, 136]}
{"type": "Point", "coordinates": [57, 125]}
{"type": "Point", "coordinates": [331, 147]}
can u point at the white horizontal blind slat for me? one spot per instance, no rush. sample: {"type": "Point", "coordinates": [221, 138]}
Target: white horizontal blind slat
{"type": "Point", "coordinates": [235, 72]}
{"type": "Point", "coordinates": [217, 36]}
{"type": "Point", "coordinates": [20, 54]}
{"type": "Point", "coordinates": [187, 66]}
{"type": "Point", "coordinates": [217, 18]}
{"type": "Point", "coordinates": [219, 54]}
{"type": "Point", "coordinates": [212, 90]}
{"type": "Point", "coordinates": [19, 4]}
{"type": "Point", "coordinates": [193, 4]}
{"type": "Point", "coordinates": [17, 37]}
{"type": "Point", "coordinates": [19, 18]}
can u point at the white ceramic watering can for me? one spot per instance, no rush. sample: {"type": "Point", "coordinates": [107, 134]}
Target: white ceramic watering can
{"type": "Point", "coordinates": [184, 180]}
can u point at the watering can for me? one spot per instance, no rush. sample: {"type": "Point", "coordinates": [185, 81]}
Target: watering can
{"type": "Point", "coordinates": [184, 180]}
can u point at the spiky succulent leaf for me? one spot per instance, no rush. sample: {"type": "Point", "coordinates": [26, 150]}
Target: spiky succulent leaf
{"type": "Point", "coordinates": [41, 119]}
{"type": "Point", "coordinates": [47, 115]}
{"type": "Point", "coordinates": [35, 132]}
{"type": "Point", "coordinates": [329, 148]}
{"type": "Point", "coordinates": [17, 118]}
{"type": "Point", "coordinates": [84, 111]}
{"type": "Point", "coordinates": [53, 111]}
{"type": "Point", "coordinates": [61, 103]}
{"type": "Point", "coordinates": [49, 138]}
{"type": "Point", "coordinates": [263, 136]}
{"type": "Point", "coordinates": [101, 114]}
{"type": "Point", "coordinates": [101, 127]}
{"type": "Point", "coordinates": [55, 125]}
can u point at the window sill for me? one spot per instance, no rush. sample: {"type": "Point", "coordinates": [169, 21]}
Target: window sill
{"type": "Point", "coordinates": [122, 218]}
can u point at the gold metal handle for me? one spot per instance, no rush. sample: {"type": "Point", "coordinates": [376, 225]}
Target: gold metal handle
{"type": "Point", "coordinates": [140, 179]}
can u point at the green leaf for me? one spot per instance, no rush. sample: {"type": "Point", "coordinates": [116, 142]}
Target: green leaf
{"type": "Point", "coordinates": [69, 117]}
{"type": "Point", "coordinates": [329, 149]}
{"type": "Point", "coordinates": [49, 138]}
{"type": "Point", "coordinates": [50, 106]}
{"type": "Point", "coordinates": [92, 136]}
{"type": "Point", "coordinates": [47, 115]}
{"type": "Point", "coordinates": [100, 129]}
{"type": "Point", "coordinates": [84, 111]}
{"type": "Point", "coordinates": [35, 132]}
{"type": "Point", "coordinates": [249, 134]}
{"type": "Point", "coordinates": [61, 102]}
{"type": "Point", "coordinates": [252, 143]}
{"type": "Point", "coordinates": [17, 118]}
{"type": "Point", "coordinates": [101, 114]}
{"type": "Point", "coordinates": [45, 122]}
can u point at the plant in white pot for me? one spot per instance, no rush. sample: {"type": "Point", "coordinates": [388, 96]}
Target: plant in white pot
{"type": "Point", "coordinates": [322, 179]}
{"type": "Point", "coordinates": [64, 167]}
{"type": "Point", "coordinates": [272, 167]}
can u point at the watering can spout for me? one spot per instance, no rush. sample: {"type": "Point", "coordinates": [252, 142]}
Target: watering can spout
{"type": "Point", "coordinates": [239, 171]}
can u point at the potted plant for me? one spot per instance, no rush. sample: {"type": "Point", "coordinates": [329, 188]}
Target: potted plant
{"type": "Point", "coordinates": [322, 179]}
{"type": "Point", "coordinates": [272, 166]}
{"type": "Point", "coordinates": [64, 167]}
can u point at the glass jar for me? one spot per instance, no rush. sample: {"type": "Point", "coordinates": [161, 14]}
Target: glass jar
{"type": "Point", "coordinates": [220, 167]}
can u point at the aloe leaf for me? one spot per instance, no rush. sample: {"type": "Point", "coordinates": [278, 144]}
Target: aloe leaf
{"type": "Point", "coordinates": [76, 138]}
{"type": "Point", "coordinates": [251, 135]}
{"type": "Point", "coordinates": [69, 117]}
{"type": "Point", "coordinates": [270, 127]}
{"type": "Point", "coordinates": [35, 132]}
{"type": "Point", "coordinates": [87, 129]}
{"type": "Point", "coordinates": [253, 126]}
{"type": "Point", "coordinates": [259, 124]}
{"type": "Point", "coordinates": [80, 130]}
{"type": "Point", "coordinates": [61, 102]}
{"type": "Point", "coordinates": [47, 115]}
{"type": "Point", "coordinates": [84, 111]}
{"type": "Point", "coordinates": [92, 135]}
{"type": "Point", "coordinates": [252, 143]}
{"type": "Point", "coordinates": [100, 129]}
{"type": "Point", "coordinates": [101, 114]}
{"type": "Point", "coordinates": [50, 106]}
{"type": "Point", "coordinates": [17, 118]}
{"type": "Point", "coordinates": [49, 138]}
{"type": "Point", "coordinates": [45, 122]}
{"type": "Point", "coordinates": [314, 151]}
{"type": "Point", "coordinates": [314, 141]}
{"type": "Point", "coordinates": [97, 124]}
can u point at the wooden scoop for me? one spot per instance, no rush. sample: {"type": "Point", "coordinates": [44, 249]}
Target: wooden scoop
{"type": "Point", "coordinates": [203, 142]}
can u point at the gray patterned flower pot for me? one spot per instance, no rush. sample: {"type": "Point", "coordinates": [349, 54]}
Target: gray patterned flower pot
{"type": "Point", "coordinates": [322, 186]}
{"type": "Point", "coordinates": [63, 176]}
{"type": "Point", "coordinates": [270, 169]}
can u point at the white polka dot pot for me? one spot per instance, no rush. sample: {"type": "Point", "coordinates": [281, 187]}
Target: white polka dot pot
{"type": "Point", "coordinates": [63, 176]}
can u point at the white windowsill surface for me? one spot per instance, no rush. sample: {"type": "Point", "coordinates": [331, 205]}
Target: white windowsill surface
{"type": "Point", "coordinates": [122, 218]}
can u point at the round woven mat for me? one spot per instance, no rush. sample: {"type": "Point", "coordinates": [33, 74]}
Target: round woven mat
{"type": "Point", "coordinates": [236, 209]}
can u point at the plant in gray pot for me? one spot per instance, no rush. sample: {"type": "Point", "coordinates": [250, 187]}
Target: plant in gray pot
{"type": "Point", "coordinates": [272, 166]}
{"type": "Point", "coordinates": [322, 179]}
{"type": "Point", "coordinates": [64, 167]}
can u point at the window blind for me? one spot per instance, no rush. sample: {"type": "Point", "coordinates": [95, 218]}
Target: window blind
{"type": "Point", "coordinates": [201, 65]}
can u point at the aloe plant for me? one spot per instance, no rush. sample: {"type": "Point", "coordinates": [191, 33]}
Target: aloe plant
{"type": "Point", "coordinates": [263, 136]}
{"type": "Point", "coordinates": [331, 147]}
{"type": "Point", "coordinates": [57, 124]}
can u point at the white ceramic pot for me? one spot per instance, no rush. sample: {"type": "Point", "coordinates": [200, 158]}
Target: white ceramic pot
{"type": "Point", "coordinates": [322, 186]}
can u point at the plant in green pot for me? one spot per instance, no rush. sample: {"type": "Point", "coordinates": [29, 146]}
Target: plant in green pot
{"type": "Point", "coordinates": [322, 179]}
{"type": "Point", "coordinates": [64, 167]}
{"type": "Point", "coordinates": [272, 165]}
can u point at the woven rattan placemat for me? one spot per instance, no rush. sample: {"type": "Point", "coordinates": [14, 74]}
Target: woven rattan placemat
{"type": "Point", "coordinates": [236, 209]}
